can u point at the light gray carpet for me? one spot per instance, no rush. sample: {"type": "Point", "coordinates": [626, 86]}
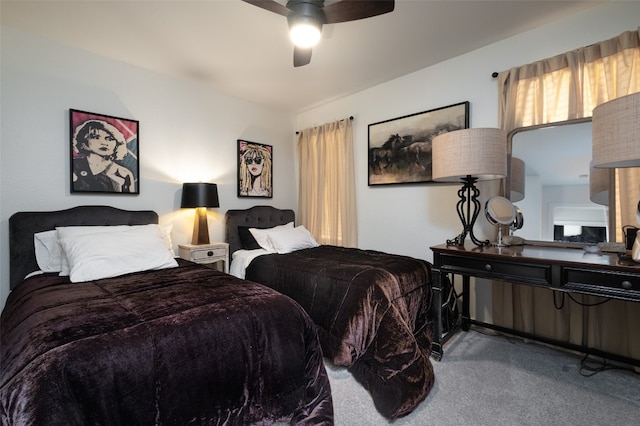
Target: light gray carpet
{"type": "Point", "coordinates": [492, 380]}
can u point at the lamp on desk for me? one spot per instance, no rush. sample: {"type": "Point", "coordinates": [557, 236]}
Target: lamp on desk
{"type": "Point", "coordinates": [616, 133]}
{"type": "Point", "coordinates": [616, 139]}
{"type": "Point", "coordinates": [200, 196]}
{"type": "Point", "coordinates": [467, 156]}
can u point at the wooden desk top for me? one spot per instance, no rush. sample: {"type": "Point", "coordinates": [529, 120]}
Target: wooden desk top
{"type": "Point", "coordinates": [542, 254]}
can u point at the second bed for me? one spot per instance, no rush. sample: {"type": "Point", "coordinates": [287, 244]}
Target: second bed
{"type": "Point", "coordinates": [371, 309]}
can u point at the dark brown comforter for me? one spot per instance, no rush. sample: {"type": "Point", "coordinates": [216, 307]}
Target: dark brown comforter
{"type": "Point", "coordinates": [187, 345]}
{"type": "Point", "coordinates": [371, 310]}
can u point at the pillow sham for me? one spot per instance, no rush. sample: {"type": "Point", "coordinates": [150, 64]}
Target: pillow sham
{"type": "Point", "coordinates": [48, 251]}
{"type": "Point", "coordinates": [82, 230]}
{"type": "Point", "coordinates": [291, 239]}
{"type": "Point", "coordinates": [77, 230]}
{"type": "Point", "coordinates": [246, 238]}
{"type": "Point", "coordinates": [51, 258]}
{"type": "Point", "coordinates": [98, 255]}
{"type": "Point", "coordinates": [262, 235]}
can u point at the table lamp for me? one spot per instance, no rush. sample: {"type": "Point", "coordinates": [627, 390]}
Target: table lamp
{"type": "Point", "coordinates": [467, 156]}
{"type": "Point", "coordinates": [616, 134]}
{"type": "Point", "coordinates": [200, 196]}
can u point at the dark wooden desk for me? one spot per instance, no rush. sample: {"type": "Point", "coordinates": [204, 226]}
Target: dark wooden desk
{"type": "Point", "coordinates": [560, 269]}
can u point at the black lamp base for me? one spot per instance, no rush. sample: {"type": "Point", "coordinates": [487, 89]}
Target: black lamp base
{"type": "Point", "coordinates": [468, 208]}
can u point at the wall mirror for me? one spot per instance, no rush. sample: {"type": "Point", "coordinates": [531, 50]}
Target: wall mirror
{"type": "Point", "coordinates": [557, 202]}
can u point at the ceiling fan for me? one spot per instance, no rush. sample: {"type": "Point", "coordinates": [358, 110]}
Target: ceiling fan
{"type": "Point", "coordinates": [306, 17]}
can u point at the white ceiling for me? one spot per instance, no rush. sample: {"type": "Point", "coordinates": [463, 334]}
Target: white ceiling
{"type": "Point", "coordinates": [244, 51]}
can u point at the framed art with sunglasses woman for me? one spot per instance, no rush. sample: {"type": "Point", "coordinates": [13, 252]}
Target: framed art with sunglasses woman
{"type": "Point", "coordinates": [255, 165]}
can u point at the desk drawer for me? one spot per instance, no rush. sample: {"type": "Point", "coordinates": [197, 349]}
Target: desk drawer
{"type": "Point", "coordinates": [532, 273]}
{"type": "Point", "coordinates": [602, 283]}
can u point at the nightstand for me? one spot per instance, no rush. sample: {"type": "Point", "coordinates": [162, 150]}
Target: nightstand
{"type": "Point", "coordinates": [206, 253]}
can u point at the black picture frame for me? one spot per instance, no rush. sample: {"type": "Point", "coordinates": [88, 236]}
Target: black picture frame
{"type": "Point", "coordinates": [104, 153]}
{"type": "Point", "coordinates": [399, 150]}
{"type": "Point", "coordinates": [255, 178]}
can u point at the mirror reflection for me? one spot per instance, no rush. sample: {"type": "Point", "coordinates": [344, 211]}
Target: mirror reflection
{"type": "Point", "coordinates": [557, 204]}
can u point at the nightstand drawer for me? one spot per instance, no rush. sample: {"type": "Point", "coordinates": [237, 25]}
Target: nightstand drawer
{"type": "Point", "coordinates": [208, 254]}
{"type": "Point", "coordinates": [199, 255]}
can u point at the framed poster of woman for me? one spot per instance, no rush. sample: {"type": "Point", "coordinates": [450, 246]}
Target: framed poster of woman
{"type": "Point", "coordinates": [255, 168]}
{"type": "Point", "coordinates": [104, 153]}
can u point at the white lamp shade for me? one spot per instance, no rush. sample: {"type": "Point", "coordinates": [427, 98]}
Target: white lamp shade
{"type": "Point", "coordinates": [599, 183]}
{"type": "Point", "coordinates": [477, 152]}
{"type": "Point", "coordinates": [517, 179]}
{"type": "Point", "coordinates": [616, 132]}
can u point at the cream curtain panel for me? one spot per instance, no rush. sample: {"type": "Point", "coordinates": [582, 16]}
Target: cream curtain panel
{"type": "Point", "coordinates": [570, 85]}
{"type": "Point", "coordinates": [327, 195]}
{"type": "Point", "coordinates": [564, 87]}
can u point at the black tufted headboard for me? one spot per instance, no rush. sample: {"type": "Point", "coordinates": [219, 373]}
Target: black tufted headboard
{"type": "Point", "coordinates": [22, 226]}
{"type": "Point", "coordinates": [257, 217]}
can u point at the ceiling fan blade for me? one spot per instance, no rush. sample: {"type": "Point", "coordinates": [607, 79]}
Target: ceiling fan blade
{"type": "Point", "coordinates": [352, 10]}
{"type": "Point", "coordinates": [301, 56]}
{"type": "Point", "coordinates": [271, 6]}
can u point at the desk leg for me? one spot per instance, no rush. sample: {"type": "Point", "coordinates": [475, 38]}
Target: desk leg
{"type": "Point", "coordinates": [466, 316]}
{"type": "Point", "coordinates": [436, 306]}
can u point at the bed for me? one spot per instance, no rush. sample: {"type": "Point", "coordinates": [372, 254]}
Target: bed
{"type": "Point", "coordinates": [181, 344]}
{"type": "Point", "coordinates": [372, 309]}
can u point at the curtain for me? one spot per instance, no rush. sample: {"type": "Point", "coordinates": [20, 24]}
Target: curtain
{"type": "Point", "coordinates": [570, 85]}
{"type": "Point", "coordinates": [327, 195]}
{"type": "Point", "coordinates": [564, 87]}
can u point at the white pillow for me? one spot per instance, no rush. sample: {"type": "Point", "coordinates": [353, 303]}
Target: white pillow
{"type": "Point", "coordinates": [48, 251]}
{"type": "Point", "coordinates": [100, 255]}
{"type": "Point", "coordinates": [87, 230]}
{"type": "Point", "coordinates": [78, 230]}
{"type": "Point", "coordinates": [291, 239]}
{"type": "Point", "coordinates": [82, 230]}
{"type": "Point", "coordinates": [166, 237]}
{"type": "Point", "coordinates": [262, 235]}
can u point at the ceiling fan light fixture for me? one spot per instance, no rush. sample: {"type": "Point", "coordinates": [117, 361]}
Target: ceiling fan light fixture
{"type": "Point", "coordinates": [304, 32]}
{"type": "Point", "coordinates": [306, 18]}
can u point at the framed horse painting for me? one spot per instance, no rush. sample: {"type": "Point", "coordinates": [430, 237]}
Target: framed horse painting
{"type": "Point", "coordinates": [400, 148]}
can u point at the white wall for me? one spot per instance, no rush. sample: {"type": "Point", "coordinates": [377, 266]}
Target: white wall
{"type": "Point", "coordinates": [408, 219]}
{"type": "Point", "coordinates": [187, 133]}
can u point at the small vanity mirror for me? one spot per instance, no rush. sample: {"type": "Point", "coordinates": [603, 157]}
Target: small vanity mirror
{"type": "Point", "coordinates": [500, 211]}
